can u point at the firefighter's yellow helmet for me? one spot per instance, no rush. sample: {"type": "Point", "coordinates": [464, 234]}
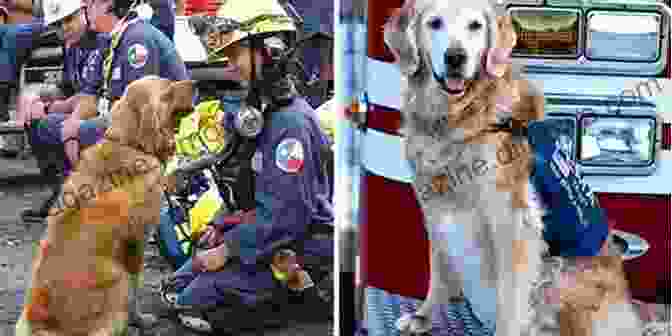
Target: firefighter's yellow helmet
{"type": "Point", "coordinates": [256, 17]}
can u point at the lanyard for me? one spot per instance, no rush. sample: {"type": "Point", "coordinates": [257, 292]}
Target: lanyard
{"type": "Point", "coordinates": [117, 34]}
{"type": "Point", "coordinates": [105, 93]}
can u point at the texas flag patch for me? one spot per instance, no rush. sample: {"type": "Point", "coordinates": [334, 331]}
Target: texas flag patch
{"type": "Point", "coordinates": [137, 56]}
{"type": "Point", "coordinates": [290, 156]}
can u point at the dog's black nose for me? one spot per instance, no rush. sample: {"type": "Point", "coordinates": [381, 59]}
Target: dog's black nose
{"type": "Point", "coordinates": [455, 57]}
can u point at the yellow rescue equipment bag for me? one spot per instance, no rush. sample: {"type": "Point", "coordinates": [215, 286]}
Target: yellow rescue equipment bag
{"type": "Point", "coordinates": [200, 130]}
{"type": "Point", "coordinates": [204, 211]}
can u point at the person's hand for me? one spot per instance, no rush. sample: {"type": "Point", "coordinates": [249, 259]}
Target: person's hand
{"type": "Point", "coordinates": [29, 107]}
{"type": "Point", "coordinates": [211, 237]}
{"type": "Point", "coordinates": [70, 137]}
{"type": "Point", "coordinates": [211, 260]}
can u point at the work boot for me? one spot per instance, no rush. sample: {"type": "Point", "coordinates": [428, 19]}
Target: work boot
{"type": "Point", "coordinates": [39, 214]}
{"type": "Point", "coordinates": [142, 320]}
{"type": "Point", "coordinates": [136, 318]}
{"type": "Point", "coordinates": [7, 149]}
{"type": "Point", "coordinates": [30, 215]}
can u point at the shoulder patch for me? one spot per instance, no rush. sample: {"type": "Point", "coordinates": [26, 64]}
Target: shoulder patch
{"type": "Point", "coordinates": [289, 155]}
{"type": "Point", "coordinates": [137, 55]}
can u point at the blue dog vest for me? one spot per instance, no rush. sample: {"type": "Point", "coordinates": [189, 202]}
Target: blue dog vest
{"type": "Point", "coordinates": [574, 223]}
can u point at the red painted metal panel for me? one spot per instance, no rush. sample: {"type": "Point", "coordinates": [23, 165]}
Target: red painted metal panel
{"type": "Point", "coordinates": [394, 245]}
{"type": "Point", "coordinates": [649, 217]}
{"type": "Point", "coordinates": [395, 254]}
{"type": "Point", "coordinates": [379, 12]}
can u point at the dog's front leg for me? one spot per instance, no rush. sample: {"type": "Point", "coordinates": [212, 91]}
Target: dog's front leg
{"type": "Point", "coordinates": [442, 287]}
{"type": "Point", "coordinates": [115, 324]}
{"type": "Point", "coordinates": [135, 316]}
{"type": "Point", "coordinates": [510, 250]}
{"type": "Point", "coordinates": [135, 267]}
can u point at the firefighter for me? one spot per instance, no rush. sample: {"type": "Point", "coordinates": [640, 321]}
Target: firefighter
{"type": "Point", "coordinates": [291, 189]}
{"type": "Point", "coordinates": [44, 115]}
{"type": "Point", "coordinates": [135, 49]}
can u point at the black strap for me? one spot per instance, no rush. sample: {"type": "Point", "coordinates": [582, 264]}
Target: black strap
{"type": "Point", "coordinates": [510, 125]}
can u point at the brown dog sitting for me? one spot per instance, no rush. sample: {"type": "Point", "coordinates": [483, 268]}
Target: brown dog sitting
{"type": "Point", "coordinates": [88, 269]}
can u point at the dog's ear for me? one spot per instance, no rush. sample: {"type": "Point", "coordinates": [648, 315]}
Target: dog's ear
{"type": "Point", "coordinates": [174, 98]}
{"type": "Point", "coordinates": [180, 95]}
{"type": "Point", "coordinates": [502, 39]}
{"type": "Point", "coordinates": [400, 36]}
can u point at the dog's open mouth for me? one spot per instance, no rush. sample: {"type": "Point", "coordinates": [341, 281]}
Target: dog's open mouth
{"type": "Point", "coordinates": [453, 87]}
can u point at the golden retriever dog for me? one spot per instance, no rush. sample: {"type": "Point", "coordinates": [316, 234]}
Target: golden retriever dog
{"type": "Point", "coordinates": [88, 268]}
{"type": "Point", "coordinates": [471, 179]}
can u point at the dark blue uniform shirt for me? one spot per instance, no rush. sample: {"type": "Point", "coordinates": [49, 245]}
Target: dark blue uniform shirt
{"type": "Point", "coordinates": [291, 189]}
{"type": "Point", "coordinates": [84, 68]}
{"type": "Point", "coordinates": [144, 50]}
{"type": "Point", "coordinates": [164, 17]}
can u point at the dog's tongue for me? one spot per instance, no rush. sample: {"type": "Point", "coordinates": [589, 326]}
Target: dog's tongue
{"type": "Point", "coordinates": [566, 281]}
{"type": "Point", "coordinates": [455, 84]}
{"type": "Point", "coordinates": [552, 295]}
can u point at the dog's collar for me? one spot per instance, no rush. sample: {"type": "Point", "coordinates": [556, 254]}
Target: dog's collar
{"type": "Point", "coordinates": [518, 128]}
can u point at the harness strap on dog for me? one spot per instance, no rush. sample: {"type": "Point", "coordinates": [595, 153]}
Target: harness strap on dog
{"type": "Point", "coordinates": [516, 127]}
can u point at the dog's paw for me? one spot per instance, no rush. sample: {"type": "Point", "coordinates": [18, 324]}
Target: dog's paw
{"type": "Point", "coordinates": [413, 324]}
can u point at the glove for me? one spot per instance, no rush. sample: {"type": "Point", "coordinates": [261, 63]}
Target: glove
{"type": "Point", "coordinates": [210, 260]}
{"type": "Point", "coordinates": [211, 238]}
